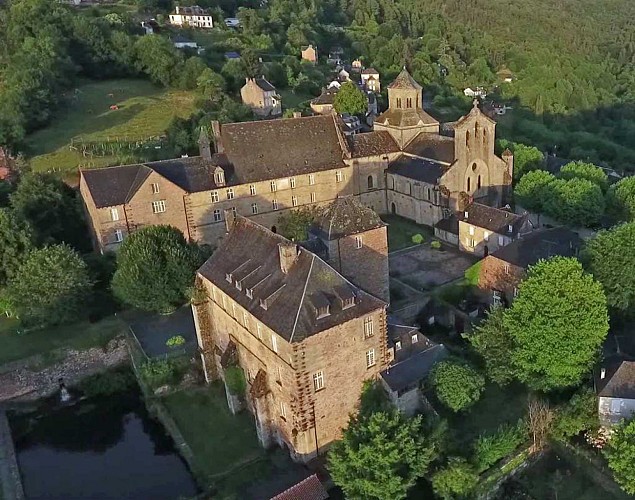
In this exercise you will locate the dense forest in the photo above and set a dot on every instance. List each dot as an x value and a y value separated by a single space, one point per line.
572 61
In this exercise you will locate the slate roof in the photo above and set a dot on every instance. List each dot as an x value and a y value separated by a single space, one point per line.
112 186
619 381
417 169
404 81
308 489
433 146
373 144
264 84
450 224
493 219
343 217
540 245
272 149
410 117
326 97
413 369
249 254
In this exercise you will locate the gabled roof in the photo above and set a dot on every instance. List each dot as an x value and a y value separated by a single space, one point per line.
619 381
410 117
264 84
286 302
343 217
527 251
308 489
413 369
326 97
373 144
432 146
270 149
475 111
112 186
370 71
417 169
404 81
493 219
449 224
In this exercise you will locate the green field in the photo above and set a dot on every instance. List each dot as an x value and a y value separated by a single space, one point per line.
401 231
45 342
145 111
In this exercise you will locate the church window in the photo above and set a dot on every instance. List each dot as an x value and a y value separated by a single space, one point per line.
410 189
478 182
468 184
428 192
477 129
484 137
474 167
399 102
467 139
371 182
409 102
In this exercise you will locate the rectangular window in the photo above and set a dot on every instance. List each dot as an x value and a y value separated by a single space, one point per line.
258 331
471 230
497 298
318 381
114 214
294 201
311 179
230 194
215 196
155 188
501 241
158 207
415 338
274 188
506 268
283 411
370 358
217 215
313 197
246 320
338 176
398 346
234 212
274 343
279 371
486 236
252 190
274 204
469 242
224 303
118 236
254 208
233 310
368 327
358 242
292 182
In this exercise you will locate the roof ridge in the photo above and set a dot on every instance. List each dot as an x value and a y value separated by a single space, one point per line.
142 168
306 284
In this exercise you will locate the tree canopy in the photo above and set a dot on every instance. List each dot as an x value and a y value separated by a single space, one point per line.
155 269
457 385
526 158
16 241
620 454
350 99
534 189
588 171
456 480
380 456
51 287
621 199
610 257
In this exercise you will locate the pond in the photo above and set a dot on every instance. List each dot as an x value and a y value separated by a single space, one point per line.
101 448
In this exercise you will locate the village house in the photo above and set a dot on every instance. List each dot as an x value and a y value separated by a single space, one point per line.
261 96
309 53
502 271
409 165
370 80
194 16
357 65
615 385
483 229
305 337
181 42
323 104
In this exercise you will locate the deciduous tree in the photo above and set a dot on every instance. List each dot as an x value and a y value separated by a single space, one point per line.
588 171
350 99
457 385
155 269
534 190
16 241
620 453
621 199
380 456
455 480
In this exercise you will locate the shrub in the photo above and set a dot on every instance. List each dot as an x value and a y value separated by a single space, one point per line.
457 479
110 382
436 245
490 449
457 385
235 380
577 415
175 341
417 239
163 372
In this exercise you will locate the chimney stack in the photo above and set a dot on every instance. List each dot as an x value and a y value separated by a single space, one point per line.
602 373
177 9
465 214
288 253
217 137
204 146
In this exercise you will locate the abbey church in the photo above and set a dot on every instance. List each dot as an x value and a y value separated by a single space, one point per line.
410 165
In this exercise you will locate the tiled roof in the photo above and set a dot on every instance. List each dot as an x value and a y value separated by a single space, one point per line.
343 217
493 219
410 117
373 144
287 301
117 185
370 71
308 489
413 369
272 149
433 146
326 97
619 381
417 169
540 245
404 81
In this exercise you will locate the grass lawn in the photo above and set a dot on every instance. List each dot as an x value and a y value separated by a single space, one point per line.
219 440
401 231
291 100
145 111
78 336
472 274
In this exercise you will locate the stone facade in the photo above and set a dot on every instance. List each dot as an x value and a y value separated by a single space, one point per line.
309 54
500 279
261 97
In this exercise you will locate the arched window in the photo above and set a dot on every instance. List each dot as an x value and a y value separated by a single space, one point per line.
371 182
467 139
399 102
410 189
468 185
409 102
478 182
429 194
485 137
477 128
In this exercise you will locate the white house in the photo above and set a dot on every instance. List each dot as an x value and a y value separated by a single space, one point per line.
616 392
478 92
370 80
193 16
180 42
232 22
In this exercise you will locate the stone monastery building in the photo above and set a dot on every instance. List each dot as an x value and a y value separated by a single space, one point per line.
410 165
